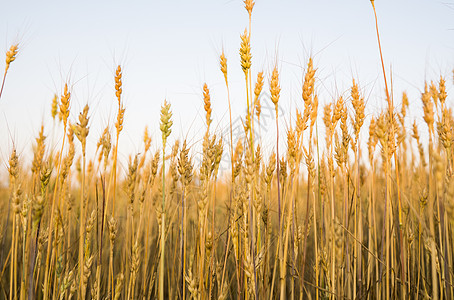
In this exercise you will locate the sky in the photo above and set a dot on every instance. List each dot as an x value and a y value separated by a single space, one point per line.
169 49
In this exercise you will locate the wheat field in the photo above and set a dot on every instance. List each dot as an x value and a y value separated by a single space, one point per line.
340 206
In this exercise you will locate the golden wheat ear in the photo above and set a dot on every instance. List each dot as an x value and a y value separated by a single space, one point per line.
10 57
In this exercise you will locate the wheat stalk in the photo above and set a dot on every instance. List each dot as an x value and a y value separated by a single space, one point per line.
165 126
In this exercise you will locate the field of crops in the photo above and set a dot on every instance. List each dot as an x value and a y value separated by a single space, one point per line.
340 205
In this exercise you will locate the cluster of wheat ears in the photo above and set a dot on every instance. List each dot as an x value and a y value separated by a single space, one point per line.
331 221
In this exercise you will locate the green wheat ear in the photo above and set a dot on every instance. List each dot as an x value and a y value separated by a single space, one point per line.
166 122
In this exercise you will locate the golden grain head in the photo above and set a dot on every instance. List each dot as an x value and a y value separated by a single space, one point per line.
146 139
38 153
238 153
54 109
314 110
309 82
433 92
338 109
185 165
245 52
175 148
444 128
291 145
106 144
219 149
64 104
404 104
81 129
118 83
442 90
223 64
258 84
359 107
300 124
283 170
13 168
11 55
257 92
327 116
275 88
207 104
237 157
372 135
428 107
249 5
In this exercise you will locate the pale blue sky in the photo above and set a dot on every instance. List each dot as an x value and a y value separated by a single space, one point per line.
168 49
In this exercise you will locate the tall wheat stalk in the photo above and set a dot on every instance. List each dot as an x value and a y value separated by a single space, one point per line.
113 174
359 106
15 202
64 111
81 131
308 98
396 164
223 65
185 170
165 126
